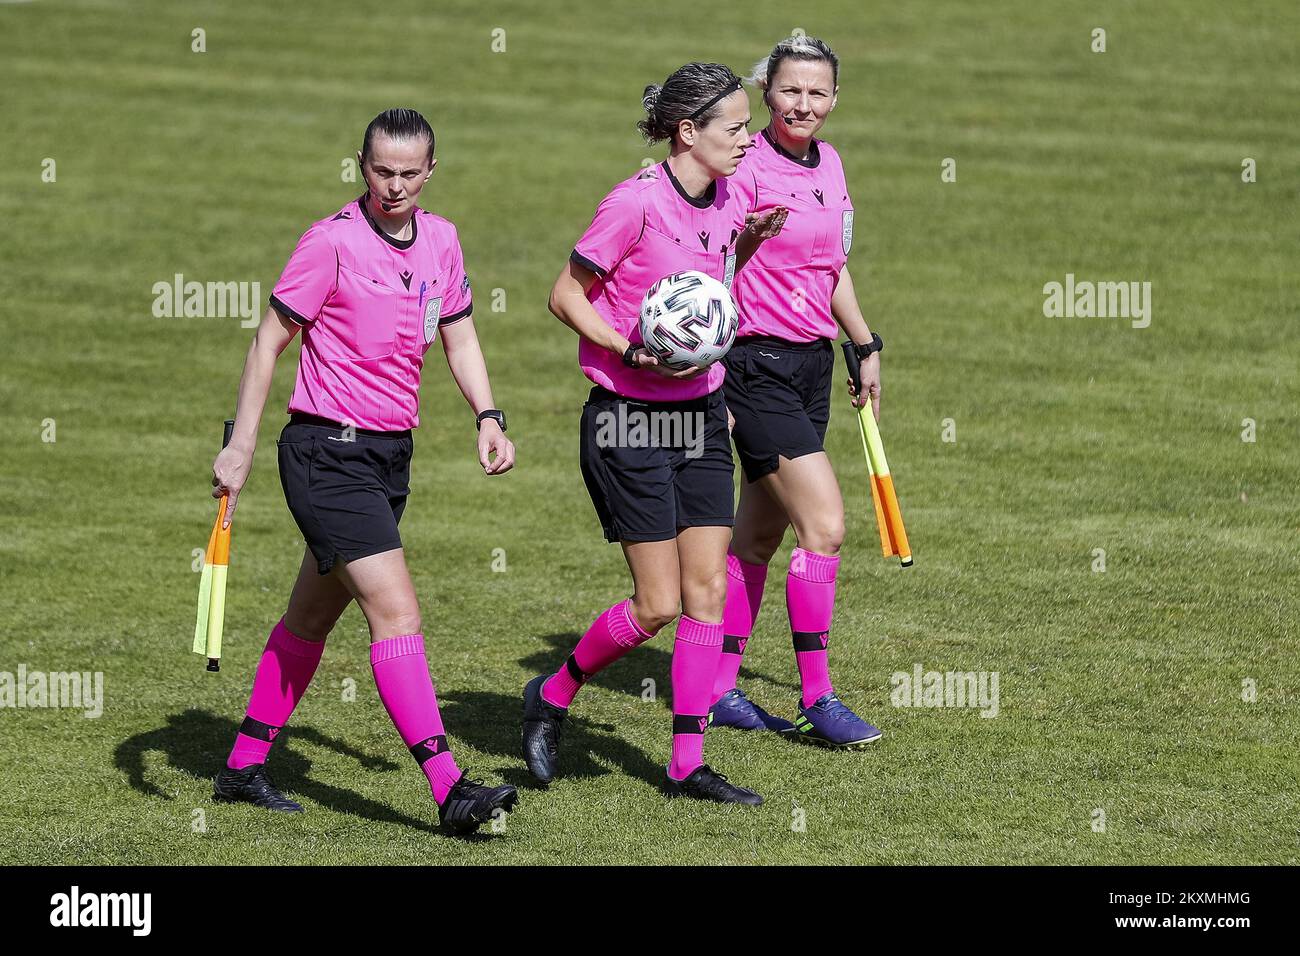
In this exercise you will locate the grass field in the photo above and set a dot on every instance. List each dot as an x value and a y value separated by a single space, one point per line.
1120 690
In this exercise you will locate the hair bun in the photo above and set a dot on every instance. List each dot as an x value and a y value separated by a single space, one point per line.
650 98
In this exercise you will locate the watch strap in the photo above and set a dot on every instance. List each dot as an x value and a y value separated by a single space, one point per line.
495 414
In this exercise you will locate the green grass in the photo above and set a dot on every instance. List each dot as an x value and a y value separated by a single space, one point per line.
1119 690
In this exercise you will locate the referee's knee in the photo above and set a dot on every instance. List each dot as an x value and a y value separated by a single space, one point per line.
313 628
824 537
654 613
395 624
712 595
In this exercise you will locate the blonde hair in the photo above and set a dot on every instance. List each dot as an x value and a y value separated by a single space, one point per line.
795 47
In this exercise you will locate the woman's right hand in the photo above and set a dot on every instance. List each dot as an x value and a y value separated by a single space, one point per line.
229 472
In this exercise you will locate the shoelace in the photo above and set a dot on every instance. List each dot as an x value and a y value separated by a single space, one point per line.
835 709
465 781
552 718
262 778
551 736
715 774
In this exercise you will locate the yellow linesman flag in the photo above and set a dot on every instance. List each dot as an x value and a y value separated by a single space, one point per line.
889 517
210 621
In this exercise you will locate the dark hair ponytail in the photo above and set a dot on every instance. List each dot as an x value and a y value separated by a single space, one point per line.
692 92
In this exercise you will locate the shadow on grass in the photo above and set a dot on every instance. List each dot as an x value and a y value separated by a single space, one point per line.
652 659
587 747
197 741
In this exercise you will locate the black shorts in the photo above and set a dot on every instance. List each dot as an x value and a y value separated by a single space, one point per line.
780 395
346 496
653 468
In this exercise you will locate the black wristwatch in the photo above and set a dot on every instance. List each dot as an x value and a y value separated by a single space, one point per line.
629 356
495 414
863 351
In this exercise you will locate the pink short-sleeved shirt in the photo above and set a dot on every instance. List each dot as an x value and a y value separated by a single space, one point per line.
645 229
785 289
369 306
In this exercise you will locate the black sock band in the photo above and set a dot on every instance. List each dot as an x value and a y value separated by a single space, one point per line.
690 724
258 730
429 747
811 640
734 644
571 665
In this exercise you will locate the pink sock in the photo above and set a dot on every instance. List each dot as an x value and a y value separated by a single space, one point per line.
695 661
810 599
283 673
744 594
402 676
610 636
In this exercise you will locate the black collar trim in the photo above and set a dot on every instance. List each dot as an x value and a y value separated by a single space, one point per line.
814 154
701 202
395 243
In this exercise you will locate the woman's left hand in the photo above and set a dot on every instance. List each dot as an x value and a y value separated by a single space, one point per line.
492 441
766 225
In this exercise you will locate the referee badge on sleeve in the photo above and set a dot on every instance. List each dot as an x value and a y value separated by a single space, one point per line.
432 312
729 271
847 234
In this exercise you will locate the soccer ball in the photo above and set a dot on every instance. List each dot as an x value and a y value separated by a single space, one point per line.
688 319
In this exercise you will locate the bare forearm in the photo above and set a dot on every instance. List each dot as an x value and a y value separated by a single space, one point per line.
571 307
746 246
468 367
254 387
231 468
847 312
273 334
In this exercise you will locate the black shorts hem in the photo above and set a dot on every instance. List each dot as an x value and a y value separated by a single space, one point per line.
767 466
614 536
641 537
759 469
709 521
324 567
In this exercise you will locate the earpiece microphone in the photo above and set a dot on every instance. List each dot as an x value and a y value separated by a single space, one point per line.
768 103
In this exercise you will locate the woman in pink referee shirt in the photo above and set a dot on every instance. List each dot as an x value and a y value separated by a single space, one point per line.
794 298
371 287
669 504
